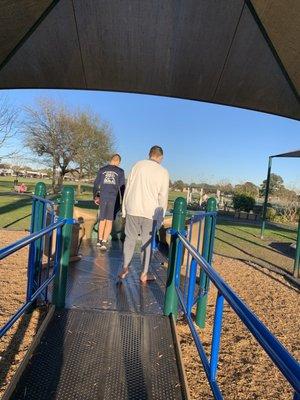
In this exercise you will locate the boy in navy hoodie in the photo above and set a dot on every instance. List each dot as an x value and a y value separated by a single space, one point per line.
108 185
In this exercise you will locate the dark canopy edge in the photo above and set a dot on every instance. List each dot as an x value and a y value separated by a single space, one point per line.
272 48
290 154
154 94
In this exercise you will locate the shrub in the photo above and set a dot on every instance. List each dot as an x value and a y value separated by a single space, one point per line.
242 202
194 207
271 213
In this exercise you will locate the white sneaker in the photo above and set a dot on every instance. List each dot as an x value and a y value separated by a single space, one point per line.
99 243
103 245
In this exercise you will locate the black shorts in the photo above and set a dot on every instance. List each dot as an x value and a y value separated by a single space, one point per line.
107 208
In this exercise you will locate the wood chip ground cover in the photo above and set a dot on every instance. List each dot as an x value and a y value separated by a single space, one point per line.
13 279
245 372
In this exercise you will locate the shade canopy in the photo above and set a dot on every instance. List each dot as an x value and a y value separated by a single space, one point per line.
233 52
294 153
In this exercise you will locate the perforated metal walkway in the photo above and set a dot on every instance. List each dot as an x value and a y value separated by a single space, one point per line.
111 343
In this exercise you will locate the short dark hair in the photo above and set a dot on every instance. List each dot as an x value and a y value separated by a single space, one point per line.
116 156
156 151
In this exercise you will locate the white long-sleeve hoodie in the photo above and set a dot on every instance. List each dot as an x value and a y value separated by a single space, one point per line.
147 189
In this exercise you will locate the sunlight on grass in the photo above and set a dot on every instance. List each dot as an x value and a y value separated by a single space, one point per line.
15 210
243 241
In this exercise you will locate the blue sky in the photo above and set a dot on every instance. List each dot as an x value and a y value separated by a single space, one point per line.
202 142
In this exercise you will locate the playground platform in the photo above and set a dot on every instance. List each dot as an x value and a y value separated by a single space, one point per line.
111 341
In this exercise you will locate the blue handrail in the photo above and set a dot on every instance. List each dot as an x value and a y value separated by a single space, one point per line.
19 244
42 214
30 240
284 361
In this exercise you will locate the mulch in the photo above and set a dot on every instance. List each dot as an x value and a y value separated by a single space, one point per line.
13 280
245 371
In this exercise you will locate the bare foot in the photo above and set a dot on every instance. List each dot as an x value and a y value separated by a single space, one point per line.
144 278
123 273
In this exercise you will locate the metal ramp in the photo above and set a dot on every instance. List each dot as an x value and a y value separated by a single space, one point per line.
111 343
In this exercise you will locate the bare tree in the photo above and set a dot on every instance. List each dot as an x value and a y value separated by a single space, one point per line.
48 134
65 140
8 121
288 210
289 205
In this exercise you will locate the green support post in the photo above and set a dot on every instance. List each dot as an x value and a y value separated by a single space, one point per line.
178 224
60 282
297 255
265 205
206 254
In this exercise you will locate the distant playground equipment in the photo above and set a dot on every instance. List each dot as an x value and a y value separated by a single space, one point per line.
291 154
22 188
197 199
191 248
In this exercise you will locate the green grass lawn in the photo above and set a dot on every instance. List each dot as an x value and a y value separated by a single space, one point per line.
173 196
233 239
238 240
15 210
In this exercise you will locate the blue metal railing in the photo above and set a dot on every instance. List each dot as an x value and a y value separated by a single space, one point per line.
29 240
199 219
44 263
43 224
43 215
283 360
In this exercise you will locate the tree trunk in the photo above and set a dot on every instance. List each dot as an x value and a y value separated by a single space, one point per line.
60 181
53 184
79 180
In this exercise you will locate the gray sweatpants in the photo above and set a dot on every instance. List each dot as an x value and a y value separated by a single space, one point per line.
133 227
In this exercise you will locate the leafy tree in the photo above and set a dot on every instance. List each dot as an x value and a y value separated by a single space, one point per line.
209 188
271 213
242 202
287 194
179 185
95 144
276 184
247 188
225 187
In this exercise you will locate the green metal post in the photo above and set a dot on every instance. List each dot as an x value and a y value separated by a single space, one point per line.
178 224
40 189
60 282
265 206
206 254
297 255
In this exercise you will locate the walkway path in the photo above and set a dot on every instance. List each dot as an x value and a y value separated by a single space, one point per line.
112 341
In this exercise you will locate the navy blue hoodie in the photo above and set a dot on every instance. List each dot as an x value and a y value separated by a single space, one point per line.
110 181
